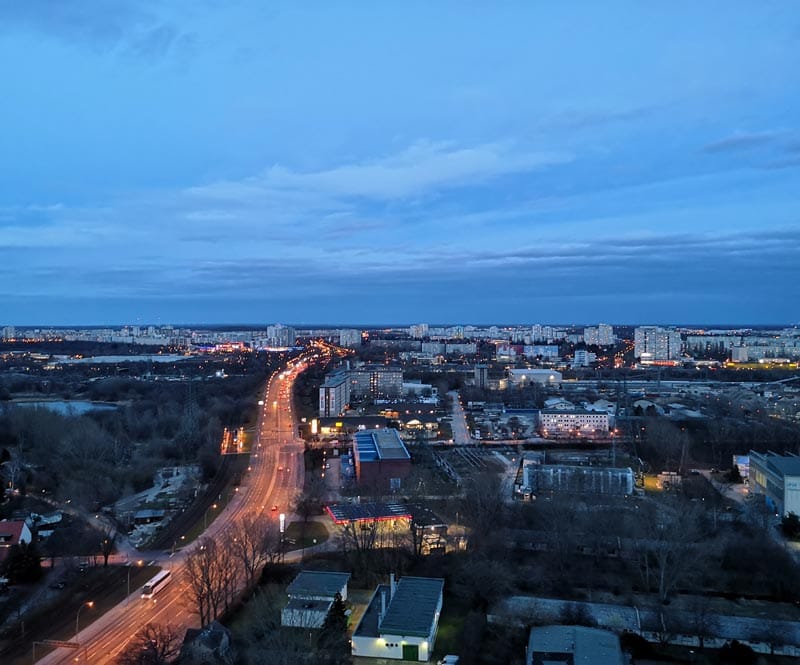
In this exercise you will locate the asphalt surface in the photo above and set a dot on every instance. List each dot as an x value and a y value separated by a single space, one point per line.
275 474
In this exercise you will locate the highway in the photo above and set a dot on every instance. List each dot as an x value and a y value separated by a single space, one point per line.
275 474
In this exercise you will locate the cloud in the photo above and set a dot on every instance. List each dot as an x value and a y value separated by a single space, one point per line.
136 29
421 168
741 141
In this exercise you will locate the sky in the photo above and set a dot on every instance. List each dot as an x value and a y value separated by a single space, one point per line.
228 161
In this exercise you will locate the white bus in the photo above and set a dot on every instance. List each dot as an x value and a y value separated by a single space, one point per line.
157 583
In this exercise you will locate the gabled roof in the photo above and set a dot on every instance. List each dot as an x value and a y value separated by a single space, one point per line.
412 609
11 531
317 583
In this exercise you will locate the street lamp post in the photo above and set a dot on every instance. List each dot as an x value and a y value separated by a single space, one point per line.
205 515
88 603
130 565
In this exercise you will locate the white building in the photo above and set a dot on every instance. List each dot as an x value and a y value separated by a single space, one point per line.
739 354
281 336
777 478
8 332
526 377
350 338
654 343
602 335
401 620
418 331
311 596
559 422
583 358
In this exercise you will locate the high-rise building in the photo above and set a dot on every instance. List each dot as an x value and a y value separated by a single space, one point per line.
602 335
654 343
350 338
280 335
376 381
334 394
9 332
481 376
418 331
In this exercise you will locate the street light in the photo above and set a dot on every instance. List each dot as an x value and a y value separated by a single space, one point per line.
205 515
130 565
88 603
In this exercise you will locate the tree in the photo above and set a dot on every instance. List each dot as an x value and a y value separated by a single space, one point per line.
254 542
482 508
790 525
212 572
154 644
333 643
701 623
23 564
107 540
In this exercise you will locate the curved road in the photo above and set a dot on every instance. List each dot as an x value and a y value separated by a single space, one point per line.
276 473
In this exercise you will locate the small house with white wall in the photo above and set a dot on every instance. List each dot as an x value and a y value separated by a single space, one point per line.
401 620
13 532
311 596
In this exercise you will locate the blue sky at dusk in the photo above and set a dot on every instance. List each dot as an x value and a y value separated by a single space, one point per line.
217 161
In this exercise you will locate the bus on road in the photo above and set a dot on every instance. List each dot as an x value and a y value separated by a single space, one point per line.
155 584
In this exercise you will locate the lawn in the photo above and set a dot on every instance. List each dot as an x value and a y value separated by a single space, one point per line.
451 623
299 535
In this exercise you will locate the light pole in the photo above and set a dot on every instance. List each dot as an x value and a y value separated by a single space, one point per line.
130 565
88 603
205 515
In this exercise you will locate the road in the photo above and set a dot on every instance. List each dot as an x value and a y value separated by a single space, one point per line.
276 472
461 434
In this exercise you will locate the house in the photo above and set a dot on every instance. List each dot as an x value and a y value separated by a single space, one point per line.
552 645
401 620
207 646
13 532
311 596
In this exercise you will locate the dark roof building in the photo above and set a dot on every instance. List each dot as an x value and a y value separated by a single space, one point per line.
551 645
401 620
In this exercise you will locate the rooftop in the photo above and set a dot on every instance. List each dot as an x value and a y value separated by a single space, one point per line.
411 611
786 465
380 444
354 512
317 583
589 646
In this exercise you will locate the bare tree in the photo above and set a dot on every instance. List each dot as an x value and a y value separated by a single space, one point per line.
254 542
212 573
107 539
482 508
666 545
154 644
701 622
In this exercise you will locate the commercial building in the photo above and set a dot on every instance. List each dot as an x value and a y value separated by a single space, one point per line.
777 478
652 343
401 620
381 459
334 394
311 596
550 645
527 377
575 422
538 478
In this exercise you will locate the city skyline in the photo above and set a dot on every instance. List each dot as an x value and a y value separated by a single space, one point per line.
399 163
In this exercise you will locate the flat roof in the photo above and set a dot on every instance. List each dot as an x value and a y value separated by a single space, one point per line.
356 512
786 465
317 583
588 645
412 609
380 444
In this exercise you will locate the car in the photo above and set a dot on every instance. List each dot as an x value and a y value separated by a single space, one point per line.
58 585
280 468
275 509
